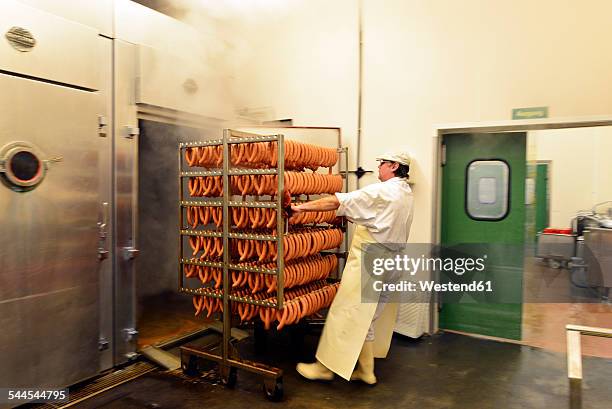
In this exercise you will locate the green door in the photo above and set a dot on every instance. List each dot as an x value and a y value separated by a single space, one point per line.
541 192
483 196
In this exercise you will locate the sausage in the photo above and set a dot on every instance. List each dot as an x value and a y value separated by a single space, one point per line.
194 242
215 216
271 219
288 153
241 311
248 312
190 156
289 275
262 251
243 278
205 277
208 305
235 215
257 183
197 304
218 278
219 306
290 313
246 185
268 318
187 270
255 287
283 317
273 282
243 217
193 186
250 249
296 312
304 273
235 278
204 214
240 155
303 306
250 153
204 156
262 316
219 246
311 303
233 151
189 218
213 156
247 249
258 153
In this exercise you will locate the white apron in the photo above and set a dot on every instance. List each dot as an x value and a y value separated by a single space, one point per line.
348 318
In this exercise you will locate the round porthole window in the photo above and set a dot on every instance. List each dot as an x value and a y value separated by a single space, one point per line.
23 168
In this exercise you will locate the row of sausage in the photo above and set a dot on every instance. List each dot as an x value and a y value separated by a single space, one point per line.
296 273
296 183
295 245
299 307
298 155
299 303
252 217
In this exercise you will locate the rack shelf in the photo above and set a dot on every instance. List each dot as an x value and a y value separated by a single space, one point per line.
223 291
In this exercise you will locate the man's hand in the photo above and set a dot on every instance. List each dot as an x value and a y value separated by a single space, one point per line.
319 205
296 209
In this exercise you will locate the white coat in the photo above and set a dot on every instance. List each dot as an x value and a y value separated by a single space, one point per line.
349 318
383 214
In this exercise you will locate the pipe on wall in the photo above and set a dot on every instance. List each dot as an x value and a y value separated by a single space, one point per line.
359 88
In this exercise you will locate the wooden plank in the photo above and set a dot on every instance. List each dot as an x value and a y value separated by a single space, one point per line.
162 358
574 356
592 331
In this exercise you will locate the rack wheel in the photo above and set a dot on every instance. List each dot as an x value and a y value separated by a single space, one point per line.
273 389
229 377
190 368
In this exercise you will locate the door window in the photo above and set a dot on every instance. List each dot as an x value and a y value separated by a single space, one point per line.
487 195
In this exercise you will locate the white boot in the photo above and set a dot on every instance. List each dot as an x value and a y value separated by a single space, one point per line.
365 365
315 371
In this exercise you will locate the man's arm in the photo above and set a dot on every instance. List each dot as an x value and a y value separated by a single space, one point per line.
319 205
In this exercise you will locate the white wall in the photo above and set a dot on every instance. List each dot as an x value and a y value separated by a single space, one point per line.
580 171
428 63
300 62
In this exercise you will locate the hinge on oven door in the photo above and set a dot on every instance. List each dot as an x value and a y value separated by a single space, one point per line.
102 252
102 344
131 132
102 125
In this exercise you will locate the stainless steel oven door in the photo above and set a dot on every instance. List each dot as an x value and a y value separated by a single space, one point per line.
49 237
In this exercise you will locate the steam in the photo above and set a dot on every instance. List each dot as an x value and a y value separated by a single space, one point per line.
229 35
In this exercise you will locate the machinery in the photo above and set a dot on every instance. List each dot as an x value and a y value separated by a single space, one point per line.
91 97
585 248
596 251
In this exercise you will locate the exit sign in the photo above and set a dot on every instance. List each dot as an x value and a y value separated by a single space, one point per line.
530 113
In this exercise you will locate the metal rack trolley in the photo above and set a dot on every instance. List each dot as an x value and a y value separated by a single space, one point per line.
228 360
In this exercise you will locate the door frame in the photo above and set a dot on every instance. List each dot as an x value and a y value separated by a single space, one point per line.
549 165
443 130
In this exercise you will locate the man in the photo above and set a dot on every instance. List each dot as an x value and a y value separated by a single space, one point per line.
383 214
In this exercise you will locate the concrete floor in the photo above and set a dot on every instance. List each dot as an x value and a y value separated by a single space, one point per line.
443 371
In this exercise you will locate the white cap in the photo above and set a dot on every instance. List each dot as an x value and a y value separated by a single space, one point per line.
403 158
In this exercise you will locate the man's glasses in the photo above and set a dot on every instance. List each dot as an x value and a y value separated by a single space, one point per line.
383 161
